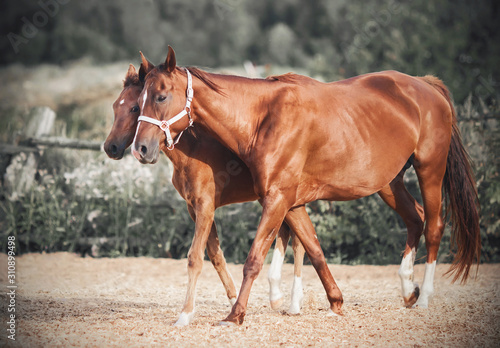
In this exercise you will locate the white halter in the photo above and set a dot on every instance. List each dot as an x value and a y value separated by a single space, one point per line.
165 125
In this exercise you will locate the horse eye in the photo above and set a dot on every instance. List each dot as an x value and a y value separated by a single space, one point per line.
161 98
135 109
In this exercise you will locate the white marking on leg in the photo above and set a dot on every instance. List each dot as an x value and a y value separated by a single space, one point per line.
184 319
297 296
427 286
232 300
406 274
274 276
226 323
122 101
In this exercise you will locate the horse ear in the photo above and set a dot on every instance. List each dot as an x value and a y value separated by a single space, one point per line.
131 77
146 67
170 62
131 71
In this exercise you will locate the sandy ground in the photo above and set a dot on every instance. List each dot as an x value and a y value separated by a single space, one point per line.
63 300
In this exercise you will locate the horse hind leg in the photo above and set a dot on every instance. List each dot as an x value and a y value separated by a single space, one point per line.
274 274
430 172
216 256
402 202
303 229
297 288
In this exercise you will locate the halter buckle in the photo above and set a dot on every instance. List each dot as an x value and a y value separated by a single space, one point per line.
164 125
188 111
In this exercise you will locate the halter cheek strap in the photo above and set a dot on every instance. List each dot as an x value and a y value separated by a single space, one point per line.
165 125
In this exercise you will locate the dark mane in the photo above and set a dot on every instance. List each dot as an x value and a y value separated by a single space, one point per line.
131 80
290 78
205 78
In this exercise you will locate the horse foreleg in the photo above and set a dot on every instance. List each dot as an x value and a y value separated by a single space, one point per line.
273 214
195 263
298 262
274 274
219 262
402 202
301 225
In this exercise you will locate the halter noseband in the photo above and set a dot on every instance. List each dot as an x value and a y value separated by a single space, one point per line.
165 125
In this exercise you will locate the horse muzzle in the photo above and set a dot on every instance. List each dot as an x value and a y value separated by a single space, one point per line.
145 153
114 150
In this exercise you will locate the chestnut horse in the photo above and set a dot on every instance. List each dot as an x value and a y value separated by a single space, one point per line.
207 176
305 140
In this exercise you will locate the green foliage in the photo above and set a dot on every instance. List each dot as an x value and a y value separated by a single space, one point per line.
98 208
236 227
457 40
479 128
363 231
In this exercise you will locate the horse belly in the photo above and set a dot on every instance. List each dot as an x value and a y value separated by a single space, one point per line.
361 166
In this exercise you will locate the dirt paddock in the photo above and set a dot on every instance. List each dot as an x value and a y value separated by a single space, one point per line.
63 300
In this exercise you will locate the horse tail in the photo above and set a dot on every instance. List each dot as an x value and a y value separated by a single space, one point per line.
461 198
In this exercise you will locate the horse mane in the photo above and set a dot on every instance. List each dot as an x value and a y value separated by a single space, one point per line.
205 78
131 80
290 78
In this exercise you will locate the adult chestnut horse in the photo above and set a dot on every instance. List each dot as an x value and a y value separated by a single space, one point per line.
305 140
207 176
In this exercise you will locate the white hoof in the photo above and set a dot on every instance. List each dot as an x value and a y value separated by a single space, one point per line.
295 307
333 314
421 303
184 319
226 323
277 302
297 296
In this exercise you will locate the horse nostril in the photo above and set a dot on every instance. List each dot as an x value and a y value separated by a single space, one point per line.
144 150
114 149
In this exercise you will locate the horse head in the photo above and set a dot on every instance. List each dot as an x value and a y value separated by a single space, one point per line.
165 109
126 111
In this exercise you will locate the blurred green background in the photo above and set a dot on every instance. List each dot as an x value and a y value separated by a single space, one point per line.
72 57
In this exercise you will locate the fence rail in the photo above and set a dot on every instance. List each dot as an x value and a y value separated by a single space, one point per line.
36 144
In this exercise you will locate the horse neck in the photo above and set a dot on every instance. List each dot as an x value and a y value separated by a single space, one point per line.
226 116
180 153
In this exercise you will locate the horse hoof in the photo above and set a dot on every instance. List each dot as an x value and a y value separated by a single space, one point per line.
412 299
421 303
294 309
333 314
184 319
276 304
226 323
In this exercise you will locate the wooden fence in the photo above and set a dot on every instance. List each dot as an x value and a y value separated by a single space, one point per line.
19 160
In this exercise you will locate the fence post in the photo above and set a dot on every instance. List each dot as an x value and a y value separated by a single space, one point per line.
20 174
